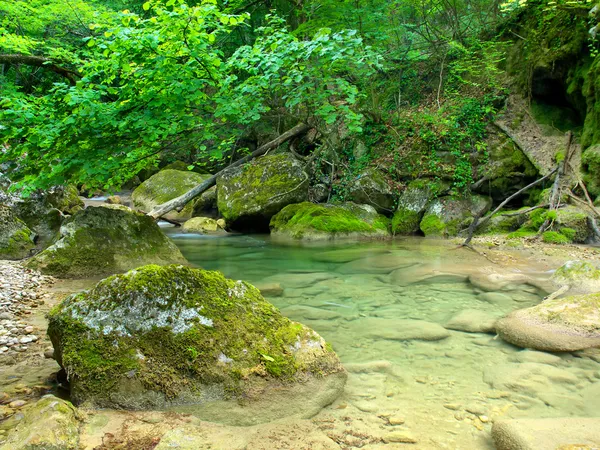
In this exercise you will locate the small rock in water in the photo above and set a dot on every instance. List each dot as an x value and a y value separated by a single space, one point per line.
403 437
396 420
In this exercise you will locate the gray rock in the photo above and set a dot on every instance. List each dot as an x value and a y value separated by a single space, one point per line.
581 277
371 188
412 205
447 216
473 321
16 239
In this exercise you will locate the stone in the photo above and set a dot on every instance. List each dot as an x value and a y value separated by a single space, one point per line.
164 186
310 222
49 424
105 240
401 329
580 276
202 225
447 216
114 200
371 188
16 239
270 289
557 433
559 325
412 205
17 404
497 299
249 195
159 337
575 219
531 379
404 437
472 321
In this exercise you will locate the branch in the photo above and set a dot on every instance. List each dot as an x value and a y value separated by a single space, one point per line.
40 61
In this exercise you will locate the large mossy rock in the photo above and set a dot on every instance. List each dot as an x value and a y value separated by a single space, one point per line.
16 239
314 222
559 325
503 222
447 216
412 205
580 276
105 240
371 188
167 185
162 336
248 196
49 424
573 218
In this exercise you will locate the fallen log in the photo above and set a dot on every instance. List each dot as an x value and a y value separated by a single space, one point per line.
184 199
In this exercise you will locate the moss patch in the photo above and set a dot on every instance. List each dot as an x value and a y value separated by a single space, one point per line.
16 239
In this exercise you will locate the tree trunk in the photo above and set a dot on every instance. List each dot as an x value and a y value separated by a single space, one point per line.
184 199
39 61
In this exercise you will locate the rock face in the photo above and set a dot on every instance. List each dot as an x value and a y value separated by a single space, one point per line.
447 216
308 221
580 276
164 186
105 240
163 336
248 196
204 225
559 325
568 433
16 240
49 424
371 188
412 205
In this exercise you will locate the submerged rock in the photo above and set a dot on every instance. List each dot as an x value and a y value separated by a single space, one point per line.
49 424
16 239
105 240
167 185
248 196
447 216
559 325
163 336
371 188
564 433
308 221
412 205
401 329
580 276
472 321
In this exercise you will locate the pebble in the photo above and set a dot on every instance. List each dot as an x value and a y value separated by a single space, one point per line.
403 437
49 353
17 404
396 420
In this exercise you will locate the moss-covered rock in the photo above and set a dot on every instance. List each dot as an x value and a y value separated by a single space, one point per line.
167 185
105 240
309 221
16 239
573 218
371 188
412 205
590 161
502 223
248 196
580 276
559 325
49 424
204 225
163 336
447 216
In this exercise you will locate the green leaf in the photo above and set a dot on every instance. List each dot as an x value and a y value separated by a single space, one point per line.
146 6
267 357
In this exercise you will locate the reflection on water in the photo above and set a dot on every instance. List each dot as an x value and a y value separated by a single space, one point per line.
414 333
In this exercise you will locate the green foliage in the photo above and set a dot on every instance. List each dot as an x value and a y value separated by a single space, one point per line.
554 237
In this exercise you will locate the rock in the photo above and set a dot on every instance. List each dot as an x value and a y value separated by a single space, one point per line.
249 195
17 404
502 223
401 329
105 240
530 379
16 239
164 186
536 357
309 313
319 193
472 321
157 337
114 200
49 353
497 299
557 433
575 220
447 216
559 325
412 205
270 289
580 276
371 188
203 225
404 437
311 222
298 280
49 424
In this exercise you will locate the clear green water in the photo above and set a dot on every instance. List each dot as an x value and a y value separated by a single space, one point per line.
383 307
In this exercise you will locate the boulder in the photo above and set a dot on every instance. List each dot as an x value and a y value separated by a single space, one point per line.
167 185
203 225
401 329
104 240
249 195
50 424
580 276
159 337
447 216
16 239
412 205
575 221
312 222
559 325
114 200
371 188
472 321
502 223
563 433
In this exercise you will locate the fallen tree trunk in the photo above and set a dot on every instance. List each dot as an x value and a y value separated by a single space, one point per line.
40 61
184 199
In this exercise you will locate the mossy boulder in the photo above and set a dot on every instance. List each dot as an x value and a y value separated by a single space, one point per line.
167 185
314 222
575 219
580 276
502 223
447 216
203 225
157 337
412 205
559 325
249 195
105 240
371 188
16 239
49 424
590 161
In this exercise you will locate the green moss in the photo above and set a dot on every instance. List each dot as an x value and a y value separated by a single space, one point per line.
405 221
432 225
569 233
15 238
521 233
554 237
